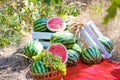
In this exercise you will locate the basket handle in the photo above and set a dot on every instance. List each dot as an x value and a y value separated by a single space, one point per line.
51 69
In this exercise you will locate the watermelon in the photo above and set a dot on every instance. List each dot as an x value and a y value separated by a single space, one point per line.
107 43
32 48
64 37
77 48
38 67
59 50
91 55
73 57
40 25
56 24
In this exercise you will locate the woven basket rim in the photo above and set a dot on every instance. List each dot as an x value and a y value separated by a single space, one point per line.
37 76
44 73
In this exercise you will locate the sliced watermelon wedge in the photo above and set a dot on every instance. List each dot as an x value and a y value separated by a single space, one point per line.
56 24
59 50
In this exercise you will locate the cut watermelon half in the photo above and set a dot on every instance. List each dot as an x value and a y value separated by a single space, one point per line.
59 50
56 24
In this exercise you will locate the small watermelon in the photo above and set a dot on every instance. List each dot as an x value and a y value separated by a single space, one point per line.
107 43
56 24
59 50
77 48
91 55
32 48
73 57
40 25
38 67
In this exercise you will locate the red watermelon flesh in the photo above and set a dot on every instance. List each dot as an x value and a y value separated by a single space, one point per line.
56 24
59 50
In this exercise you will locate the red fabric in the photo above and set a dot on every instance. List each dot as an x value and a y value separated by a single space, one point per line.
106 70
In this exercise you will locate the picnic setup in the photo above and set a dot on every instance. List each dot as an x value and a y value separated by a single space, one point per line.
59 40
60 54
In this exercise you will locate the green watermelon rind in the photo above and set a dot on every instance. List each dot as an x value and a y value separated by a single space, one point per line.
38 67
73 57
32 48
40 25
64 37
40 20
91 55
107 43
77 48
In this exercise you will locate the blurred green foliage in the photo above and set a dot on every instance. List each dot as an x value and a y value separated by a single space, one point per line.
17 16
112 11
96 9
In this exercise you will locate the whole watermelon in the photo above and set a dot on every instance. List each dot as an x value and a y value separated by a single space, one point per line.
91 55
40 25
64 37
73 57
77 48
107 43
32 48
38 67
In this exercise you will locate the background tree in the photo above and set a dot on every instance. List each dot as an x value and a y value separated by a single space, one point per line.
112 11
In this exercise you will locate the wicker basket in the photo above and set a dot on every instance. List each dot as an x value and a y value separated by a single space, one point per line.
52 75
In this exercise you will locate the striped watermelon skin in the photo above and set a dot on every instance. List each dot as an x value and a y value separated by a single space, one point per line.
107 43
73 57
32 48
91 55
38 67
40 25
77 48
64 37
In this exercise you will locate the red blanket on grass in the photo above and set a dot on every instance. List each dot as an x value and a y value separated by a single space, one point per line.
106 70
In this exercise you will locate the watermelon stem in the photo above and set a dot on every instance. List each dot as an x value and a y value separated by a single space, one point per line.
18 54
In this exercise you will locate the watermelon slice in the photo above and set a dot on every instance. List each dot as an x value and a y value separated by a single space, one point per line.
56 24
59 50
